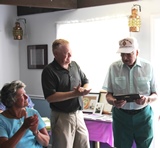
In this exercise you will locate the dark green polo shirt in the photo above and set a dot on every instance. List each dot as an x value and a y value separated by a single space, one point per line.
57 79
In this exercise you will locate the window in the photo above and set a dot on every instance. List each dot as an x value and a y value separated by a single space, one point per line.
94 44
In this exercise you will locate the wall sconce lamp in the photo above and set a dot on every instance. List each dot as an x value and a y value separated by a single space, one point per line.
17 30
134 22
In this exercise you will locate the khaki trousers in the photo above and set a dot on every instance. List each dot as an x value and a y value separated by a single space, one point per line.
69 130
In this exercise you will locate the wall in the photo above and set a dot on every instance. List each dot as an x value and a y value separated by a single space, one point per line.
9 48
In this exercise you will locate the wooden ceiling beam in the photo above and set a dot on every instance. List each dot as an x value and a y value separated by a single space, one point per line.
91 3
26 7
61 4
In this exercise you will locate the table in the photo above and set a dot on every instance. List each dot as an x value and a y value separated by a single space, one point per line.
100 131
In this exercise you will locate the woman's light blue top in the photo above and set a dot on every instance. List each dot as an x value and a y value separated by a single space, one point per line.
8 127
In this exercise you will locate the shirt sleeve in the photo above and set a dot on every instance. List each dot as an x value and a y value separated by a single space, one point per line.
30 103
2 107
107 85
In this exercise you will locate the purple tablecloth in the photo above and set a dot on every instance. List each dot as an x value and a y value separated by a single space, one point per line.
100 131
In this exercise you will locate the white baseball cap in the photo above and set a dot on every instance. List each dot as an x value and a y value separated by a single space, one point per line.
127 45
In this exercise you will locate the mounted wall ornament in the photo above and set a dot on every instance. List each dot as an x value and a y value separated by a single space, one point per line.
134 22
18 32
37 56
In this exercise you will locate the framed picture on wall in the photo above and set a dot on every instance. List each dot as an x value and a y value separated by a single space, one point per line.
89 102
107 109
37 56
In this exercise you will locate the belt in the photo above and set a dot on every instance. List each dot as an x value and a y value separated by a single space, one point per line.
132 112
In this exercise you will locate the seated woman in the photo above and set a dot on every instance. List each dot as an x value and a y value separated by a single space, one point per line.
20 126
